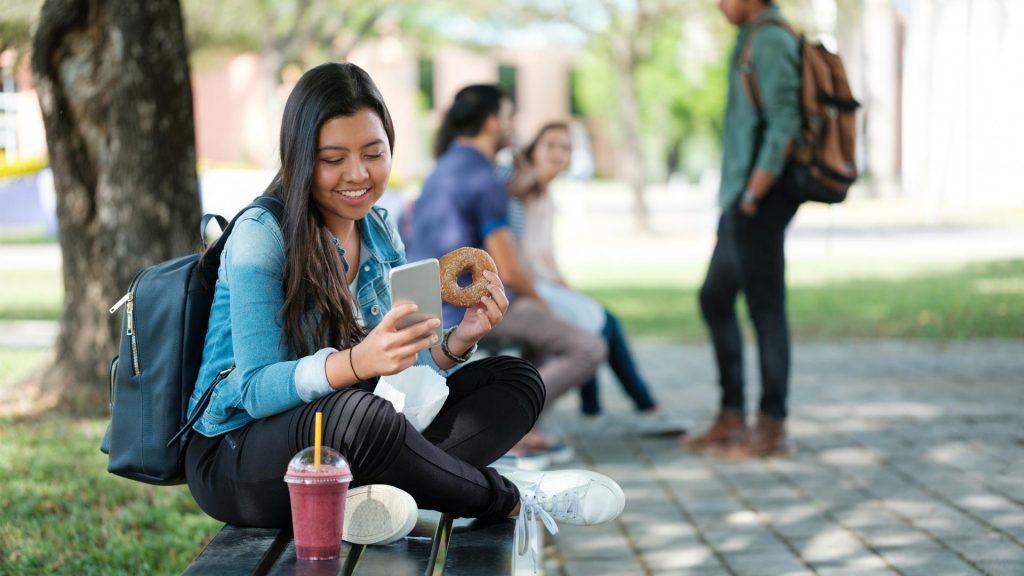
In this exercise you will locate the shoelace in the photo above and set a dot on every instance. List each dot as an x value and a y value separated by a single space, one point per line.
534 504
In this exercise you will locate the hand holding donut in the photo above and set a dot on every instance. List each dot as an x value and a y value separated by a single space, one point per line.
484 299
482 317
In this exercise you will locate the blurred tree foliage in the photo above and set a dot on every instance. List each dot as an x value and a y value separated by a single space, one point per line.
674 52
16 20
681 80
680 91
299 33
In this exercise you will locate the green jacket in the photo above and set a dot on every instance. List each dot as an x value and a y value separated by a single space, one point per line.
776 59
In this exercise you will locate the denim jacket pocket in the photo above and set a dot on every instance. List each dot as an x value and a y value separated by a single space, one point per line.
224 400
371 302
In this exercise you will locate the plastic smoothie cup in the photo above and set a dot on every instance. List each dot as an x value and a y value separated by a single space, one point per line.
317 496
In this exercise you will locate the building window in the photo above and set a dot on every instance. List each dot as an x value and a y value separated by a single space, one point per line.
507 79
427 82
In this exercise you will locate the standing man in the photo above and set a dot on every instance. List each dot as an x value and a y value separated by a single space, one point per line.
749 255
463 203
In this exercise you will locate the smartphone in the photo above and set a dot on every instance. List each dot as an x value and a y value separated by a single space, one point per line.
418 282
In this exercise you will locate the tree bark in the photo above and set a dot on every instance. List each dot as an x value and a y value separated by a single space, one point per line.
629 128
114 86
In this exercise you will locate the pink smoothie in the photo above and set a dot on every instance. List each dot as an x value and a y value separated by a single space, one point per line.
318 510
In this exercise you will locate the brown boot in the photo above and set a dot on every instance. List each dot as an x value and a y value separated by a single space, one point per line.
728 430
767 438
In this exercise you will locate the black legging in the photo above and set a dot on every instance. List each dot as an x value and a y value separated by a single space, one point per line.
237 477
750 257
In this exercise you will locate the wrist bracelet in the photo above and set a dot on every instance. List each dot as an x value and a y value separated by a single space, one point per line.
352 364
749 196
448 353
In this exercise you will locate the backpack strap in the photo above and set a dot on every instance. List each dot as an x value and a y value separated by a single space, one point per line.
204 400
212 253
205 222
276 209
748 76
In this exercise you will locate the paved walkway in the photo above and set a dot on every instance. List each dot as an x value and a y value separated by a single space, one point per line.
910 461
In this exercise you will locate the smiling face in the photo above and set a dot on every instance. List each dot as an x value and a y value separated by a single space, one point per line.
353 162
552 153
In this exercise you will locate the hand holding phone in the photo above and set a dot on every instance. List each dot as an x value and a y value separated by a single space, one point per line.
418 282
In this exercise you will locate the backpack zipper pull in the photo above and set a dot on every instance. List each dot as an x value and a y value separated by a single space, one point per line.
130 311
120 302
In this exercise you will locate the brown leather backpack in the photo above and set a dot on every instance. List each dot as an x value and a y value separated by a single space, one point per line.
822 165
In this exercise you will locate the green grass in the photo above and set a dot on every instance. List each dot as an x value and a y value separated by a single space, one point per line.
827 299
62 513
17 364
31 295
830 300
19 236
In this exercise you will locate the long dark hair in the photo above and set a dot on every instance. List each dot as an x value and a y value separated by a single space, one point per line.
318 308
470 109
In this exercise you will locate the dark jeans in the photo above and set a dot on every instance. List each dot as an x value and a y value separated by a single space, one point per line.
620 359
749 257
237 477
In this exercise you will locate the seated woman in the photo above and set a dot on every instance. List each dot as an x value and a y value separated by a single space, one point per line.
302 320
531 211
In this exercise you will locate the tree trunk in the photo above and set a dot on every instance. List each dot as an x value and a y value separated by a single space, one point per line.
114 85
629 129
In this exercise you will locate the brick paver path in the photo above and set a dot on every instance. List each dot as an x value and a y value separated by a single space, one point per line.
910 461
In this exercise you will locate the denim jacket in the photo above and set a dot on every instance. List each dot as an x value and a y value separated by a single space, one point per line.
246 332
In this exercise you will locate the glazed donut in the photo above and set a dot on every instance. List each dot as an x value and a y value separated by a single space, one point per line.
453 264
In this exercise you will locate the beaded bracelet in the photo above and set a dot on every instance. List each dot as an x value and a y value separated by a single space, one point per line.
448 353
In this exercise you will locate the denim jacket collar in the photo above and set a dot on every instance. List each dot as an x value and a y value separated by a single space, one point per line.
375 238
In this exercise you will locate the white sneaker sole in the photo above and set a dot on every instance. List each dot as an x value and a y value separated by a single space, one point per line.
378 514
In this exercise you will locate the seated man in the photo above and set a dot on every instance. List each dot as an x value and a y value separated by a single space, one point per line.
463 203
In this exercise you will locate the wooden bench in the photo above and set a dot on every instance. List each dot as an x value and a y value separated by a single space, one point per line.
437 546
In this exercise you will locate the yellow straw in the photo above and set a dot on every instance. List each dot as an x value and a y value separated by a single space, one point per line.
316 442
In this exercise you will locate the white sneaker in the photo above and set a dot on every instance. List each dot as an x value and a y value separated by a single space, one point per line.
578 497
378 514
533 461
560 453
542 459
658 424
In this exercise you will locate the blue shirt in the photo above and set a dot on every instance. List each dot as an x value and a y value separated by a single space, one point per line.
461 204
245 330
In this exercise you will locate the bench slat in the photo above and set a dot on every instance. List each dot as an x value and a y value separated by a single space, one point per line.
237 550
477 549
472 550
410 556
